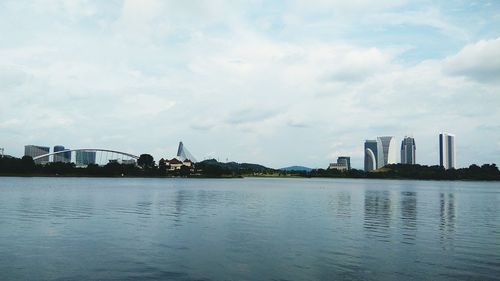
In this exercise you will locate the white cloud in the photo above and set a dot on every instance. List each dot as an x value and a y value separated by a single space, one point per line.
157 72
479 61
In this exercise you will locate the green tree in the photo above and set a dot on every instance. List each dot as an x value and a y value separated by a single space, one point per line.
146 161
162 167
27 164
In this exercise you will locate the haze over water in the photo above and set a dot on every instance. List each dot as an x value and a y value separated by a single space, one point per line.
248 229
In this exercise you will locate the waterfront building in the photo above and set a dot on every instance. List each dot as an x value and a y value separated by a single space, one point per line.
128 161
35 150
343 163
389 155
346 160
175 164
408 150
338 166
380 152
447 150
123 161
62 157
85 158
373 150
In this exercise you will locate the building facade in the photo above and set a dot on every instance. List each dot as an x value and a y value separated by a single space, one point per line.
338 166
62 157
372 149
380 152
346 160
389 155
408 151
85 158
447 150
35 150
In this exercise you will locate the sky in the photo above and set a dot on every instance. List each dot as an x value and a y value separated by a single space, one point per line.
278 83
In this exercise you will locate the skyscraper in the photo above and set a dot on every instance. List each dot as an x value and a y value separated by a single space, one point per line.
388 151
447 150
35 150
372 149
408 149
379 153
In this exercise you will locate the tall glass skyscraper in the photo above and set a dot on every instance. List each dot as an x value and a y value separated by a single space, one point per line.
447 150
408 150
372 151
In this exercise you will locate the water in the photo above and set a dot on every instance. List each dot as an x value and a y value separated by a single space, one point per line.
248 229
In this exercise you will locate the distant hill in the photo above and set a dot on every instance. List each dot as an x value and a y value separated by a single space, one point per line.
296 168
233 166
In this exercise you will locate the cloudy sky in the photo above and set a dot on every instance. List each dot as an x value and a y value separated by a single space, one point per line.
272 82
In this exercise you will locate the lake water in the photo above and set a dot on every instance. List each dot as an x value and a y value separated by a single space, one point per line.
248 229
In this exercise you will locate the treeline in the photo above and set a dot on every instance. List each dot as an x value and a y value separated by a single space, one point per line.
146 167
420 172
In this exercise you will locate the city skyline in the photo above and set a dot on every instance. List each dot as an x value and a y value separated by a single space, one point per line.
279 84
378 153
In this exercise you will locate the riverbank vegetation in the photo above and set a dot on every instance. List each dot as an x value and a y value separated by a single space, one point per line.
146 167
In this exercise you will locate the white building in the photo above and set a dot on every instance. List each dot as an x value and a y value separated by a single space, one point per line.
389 154
380 152
338 166
447 150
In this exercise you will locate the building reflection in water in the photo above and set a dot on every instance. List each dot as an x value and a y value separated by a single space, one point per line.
409 214
447 215
343 206
377 213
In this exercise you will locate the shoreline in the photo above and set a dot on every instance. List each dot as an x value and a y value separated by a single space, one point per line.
236 177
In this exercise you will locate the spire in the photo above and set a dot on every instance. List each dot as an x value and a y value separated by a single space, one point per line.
184 154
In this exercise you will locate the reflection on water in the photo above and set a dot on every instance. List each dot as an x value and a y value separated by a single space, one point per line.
377 213
269 229
343 204
409 214
447 216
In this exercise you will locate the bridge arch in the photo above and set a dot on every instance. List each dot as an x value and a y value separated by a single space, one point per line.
86 150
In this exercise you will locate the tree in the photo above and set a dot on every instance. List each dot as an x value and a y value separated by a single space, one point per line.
162 167
146 161
27 163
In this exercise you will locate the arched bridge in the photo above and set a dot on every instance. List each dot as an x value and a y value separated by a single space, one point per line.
86 156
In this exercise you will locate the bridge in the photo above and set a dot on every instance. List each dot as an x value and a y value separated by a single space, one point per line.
85 156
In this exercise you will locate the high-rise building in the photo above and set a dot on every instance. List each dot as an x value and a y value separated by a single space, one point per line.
343 163
379 153
447 150
372 154
408 150
35 150
84 158
62 157
389 155
345 160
